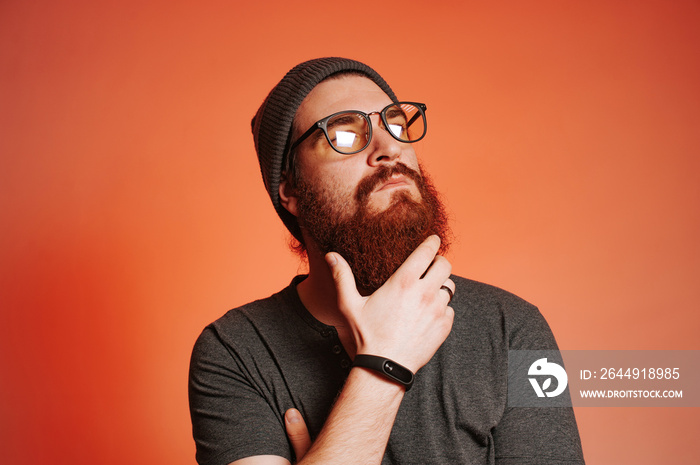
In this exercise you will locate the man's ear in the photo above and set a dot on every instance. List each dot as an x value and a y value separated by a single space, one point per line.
288 195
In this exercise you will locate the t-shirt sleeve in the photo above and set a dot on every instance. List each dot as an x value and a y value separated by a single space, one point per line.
231 419
535 435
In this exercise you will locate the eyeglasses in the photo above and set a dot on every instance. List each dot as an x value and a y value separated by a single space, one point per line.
350 131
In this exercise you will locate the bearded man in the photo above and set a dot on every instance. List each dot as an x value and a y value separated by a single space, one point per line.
379 354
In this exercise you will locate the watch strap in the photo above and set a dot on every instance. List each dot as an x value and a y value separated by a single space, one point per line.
386 367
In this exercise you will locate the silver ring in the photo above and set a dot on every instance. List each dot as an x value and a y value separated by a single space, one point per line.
449 291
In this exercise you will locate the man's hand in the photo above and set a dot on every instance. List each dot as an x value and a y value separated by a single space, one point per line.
297 432
408 318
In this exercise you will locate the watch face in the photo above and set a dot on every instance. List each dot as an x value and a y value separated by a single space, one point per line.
397 371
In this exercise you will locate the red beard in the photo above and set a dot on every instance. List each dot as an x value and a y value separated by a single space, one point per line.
373 244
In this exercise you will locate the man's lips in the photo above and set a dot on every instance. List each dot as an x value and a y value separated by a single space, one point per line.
397 180
387 177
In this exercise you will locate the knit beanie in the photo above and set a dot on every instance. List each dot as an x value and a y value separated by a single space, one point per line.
272 124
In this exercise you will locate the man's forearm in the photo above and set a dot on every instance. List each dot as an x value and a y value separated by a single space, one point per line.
358 427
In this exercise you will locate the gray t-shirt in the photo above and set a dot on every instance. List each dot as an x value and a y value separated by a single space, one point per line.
259 360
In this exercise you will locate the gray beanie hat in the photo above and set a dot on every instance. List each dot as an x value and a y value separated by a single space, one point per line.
272 124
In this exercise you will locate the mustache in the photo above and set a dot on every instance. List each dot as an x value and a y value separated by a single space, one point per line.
367 185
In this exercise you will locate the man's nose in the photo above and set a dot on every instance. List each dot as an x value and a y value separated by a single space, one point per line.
383 148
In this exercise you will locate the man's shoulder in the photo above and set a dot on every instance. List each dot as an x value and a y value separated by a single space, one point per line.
491 306
476 293
486 306
268 316
264 308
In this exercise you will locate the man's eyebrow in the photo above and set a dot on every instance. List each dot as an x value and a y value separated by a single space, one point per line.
344 119
395 112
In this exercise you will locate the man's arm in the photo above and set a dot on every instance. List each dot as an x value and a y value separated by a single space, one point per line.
406 320
360 423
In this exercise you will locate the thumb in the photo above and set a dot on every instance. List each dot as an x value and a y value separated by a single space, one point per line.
343 279
297 433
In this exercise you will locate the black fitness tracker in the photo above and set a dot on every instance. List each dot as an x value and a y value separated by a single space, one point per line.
388 368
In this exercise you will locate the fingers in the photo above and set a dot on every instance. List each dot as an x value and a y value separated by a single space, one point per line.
422 263
297 433
343 278
439 272
420 260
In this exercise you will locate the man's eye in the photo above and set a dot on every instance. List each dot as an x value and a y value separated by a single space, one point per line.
345 138
397 130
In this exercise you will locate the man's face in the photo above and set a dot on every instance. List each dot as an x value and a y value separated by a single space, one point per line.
373 207
329 170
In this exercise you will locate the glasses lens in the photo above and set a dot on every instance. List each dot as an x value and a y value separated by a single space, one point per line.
348 132
406 122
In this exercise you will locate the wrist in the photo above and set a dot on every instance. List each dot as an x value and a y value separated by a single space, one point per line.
388 368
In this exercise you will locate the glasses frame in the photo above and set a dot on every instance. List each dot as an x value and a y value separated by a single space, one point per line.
322 124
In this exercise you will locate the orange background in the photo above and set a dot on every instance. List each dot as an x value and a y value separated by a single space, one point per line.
565 137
